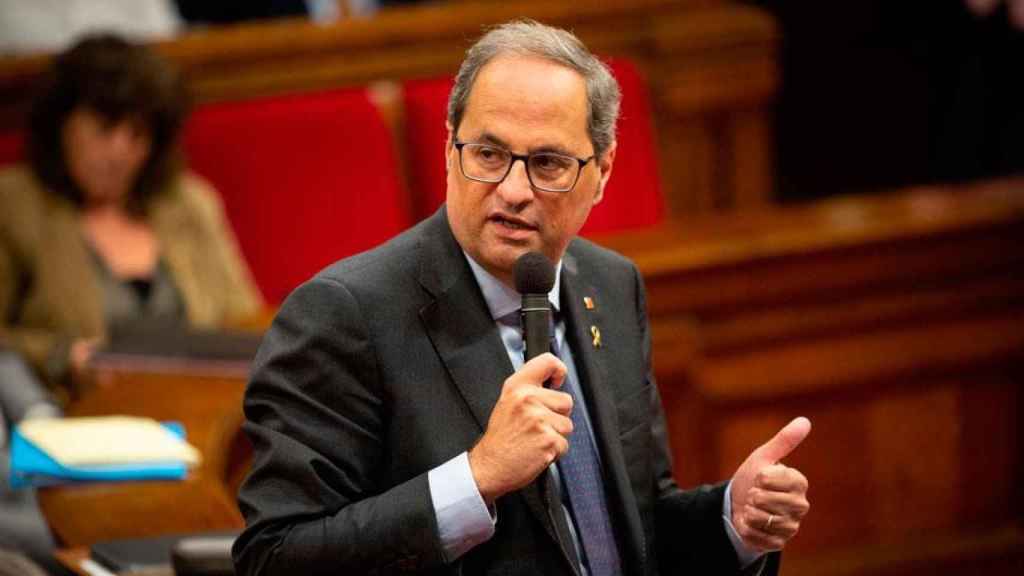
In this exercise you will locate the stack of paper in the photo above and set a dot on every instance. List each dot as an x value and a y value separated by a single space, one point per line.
60 450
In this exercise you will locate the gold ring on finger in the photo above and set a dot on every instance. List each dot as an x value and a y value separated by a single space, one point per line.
768 524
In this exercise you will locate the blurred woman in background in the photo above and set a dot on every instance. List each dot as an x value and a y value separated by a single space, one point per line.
103 226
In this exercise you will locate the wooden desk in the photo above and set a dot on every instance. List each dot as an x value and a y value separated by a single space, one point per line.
72 558
210 408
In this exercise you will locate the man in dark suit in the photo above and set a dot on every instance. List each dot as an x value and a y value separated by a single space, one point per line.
396 427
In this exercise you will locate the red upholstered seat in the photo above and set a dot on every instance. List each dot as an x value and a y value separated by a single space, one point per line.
426 109
305 179
633 198
11 148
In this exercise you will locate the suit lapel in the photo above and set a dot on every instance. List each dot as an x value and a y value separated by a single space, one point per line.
592 359
458 322
466 339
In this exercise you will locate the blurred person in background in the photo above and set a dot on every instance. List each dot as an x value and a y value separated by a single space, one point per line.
54 25
103 227
985 8
22 526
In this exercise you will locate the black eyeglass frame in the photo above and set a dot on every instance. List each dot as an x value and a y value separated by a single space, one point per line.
526 164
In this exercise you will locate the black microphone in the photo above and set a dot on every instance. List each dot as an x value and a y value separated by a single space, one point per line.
534 277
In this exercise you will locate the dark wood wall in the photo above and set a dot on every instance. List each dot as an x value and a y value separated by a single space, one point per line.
896 324
881 94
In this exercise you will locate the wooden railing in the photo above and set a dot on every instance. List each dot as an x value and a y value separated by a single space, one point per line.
210 408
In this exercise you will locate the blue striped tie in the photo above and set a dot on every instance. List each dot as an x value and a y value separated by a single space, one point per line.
583 484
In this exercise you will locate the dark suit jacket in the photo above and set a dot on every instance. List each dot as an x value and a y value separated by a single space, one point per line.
387 364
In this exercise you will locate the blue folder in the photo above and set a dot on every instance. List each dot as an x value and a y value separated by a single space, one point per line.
31 466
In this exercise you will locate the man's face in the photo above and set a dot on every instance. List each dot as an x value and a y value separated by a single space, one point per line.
525 105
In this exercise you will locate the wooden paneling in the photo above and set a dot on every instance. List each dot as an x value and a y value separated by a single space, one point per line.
211 410
895 324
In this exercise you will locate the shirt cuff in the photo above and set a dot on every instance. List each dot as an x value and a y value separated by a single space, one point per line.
463 519
746 554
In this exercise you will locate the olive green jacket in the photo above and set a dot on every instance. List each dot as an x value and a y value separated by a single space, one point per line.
49 292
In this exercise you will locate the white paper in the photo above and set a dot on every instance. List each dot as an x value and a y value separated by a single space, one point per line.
107 440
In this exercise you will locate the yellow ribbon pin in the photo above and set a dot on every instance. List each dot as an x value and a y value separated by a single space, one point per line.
597 336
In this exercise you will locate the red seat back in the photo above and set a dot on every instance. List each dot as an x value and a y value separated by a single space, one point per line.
426 109
11 148
305 179
633 197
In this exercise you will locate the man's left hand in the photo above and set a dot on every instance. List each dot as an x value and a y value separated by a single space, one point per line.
769 499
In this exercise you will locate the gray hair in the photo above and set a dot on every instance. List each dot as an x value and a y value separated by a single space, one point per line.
531 38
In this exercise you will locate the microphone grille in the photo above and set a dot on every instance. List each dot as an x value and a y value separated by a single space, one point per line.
534 274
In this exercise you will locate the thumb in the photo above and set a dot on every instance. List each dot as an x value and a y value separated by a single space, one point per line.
543 368
785 441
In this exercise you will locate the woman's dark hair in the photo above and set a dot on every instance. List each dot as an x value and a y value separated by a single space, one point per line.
118 80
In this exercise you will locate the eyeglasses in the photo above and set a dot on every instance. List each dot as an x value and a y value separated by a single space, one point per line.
546 171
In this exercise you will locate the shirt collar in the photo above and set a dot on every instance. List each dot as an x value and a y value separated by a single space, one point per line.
503 300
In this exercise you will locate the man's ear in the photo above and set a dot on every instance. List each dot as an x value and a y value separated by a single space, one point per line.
604 164
448 146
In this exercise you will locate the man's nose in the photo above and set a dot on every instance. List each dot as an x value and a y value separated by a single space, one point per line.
515 189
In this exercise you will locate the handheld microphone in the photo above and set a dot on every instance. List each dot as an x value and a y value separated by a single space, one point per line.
534 277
